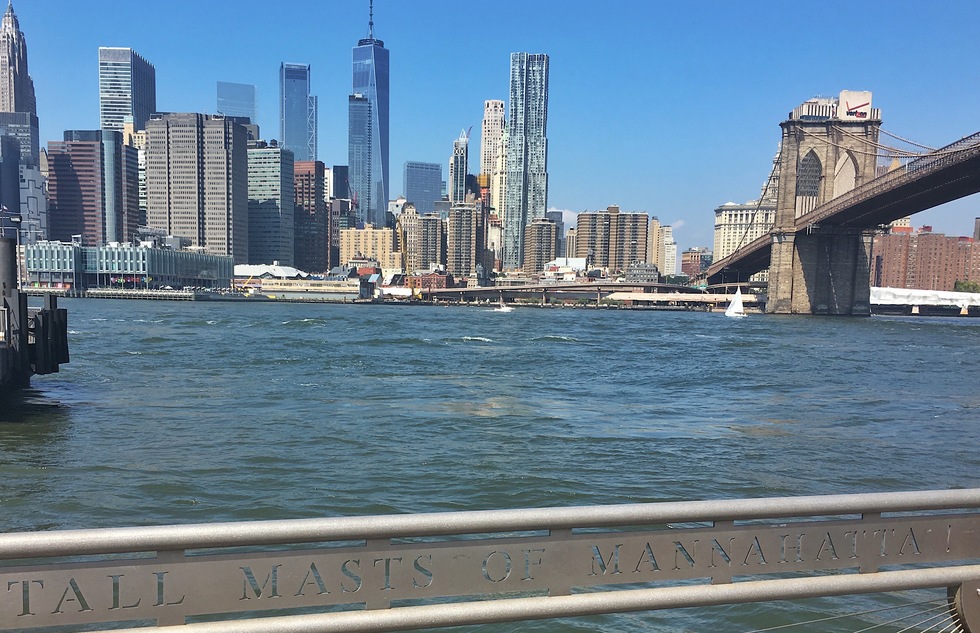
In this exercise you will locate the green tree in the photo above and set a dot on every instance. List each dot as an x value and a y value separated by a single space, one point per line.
967 286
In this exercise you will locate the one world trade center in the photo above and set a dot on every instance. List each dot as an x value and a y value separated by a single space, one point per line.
368 129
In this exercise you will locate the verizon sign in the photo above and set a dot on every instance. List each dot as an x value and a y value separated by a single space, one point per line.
854 106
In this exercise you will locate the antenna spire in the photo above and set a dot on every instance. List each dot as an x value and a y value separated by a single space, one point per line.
370 19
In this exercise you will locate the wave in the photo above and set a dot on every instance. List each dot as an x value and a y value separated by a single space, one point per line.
557 339
310 322
480 339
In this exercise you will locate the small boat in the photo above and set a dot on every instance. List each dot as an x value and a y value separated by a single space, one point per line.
503 307
735 309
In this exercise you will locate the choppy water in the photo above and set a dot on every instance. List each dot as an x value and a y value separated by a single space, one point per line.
195 412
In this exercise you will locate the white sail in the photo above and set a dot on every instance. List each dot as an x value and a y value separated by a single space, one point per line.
735 308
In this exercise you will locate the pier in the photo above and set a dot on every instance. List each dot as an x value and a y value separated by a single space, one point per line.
32 342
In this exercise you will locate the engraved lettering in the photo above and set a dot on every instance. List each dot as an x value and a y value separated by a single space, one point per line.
717 548
909 540
78 597
755 548
798 548
647 556
507 566
387 562
422 570
116 593
680 549
25 588
320 586
530 560
161 601
854 543
346 570
603 565
827 545
884 534
249 581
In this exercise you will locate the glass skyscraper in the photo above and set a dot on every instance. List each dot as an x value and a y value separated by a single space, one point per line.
237 100
423 185
526 195
370 81
127 87
297 111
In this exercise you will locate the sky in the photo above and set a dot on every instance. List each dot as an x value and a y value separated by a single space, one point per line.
670 108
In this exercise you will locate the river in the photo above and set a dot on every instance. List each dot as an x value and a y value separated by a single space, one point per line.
175 412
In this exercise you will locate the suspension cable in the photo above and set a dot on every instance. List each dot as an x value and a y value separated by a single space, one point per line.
905 140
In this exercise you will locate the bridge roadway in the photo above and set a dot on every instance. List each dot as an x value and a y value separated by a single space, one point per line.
942 176
570 291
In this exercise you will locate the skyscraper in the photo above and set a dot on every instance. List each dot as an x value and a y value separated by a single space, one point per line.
197 181
16 85
490 133
127 87
458 166
297 111
93 187
271 204
526 196
423 185
311 222
18 112
368 147
236 100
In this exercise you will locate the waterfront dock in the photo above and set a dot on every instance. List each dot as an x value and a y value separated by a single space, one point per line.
32 342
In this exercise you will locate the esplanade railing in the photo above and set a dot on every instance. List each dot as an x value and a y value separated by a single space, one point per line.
405 572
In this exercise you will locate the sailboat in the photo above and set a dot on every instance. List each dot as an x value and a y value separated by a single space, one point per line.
735 309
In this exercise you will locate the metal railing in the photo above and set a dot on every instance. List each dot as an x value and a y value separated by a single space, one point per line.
554 559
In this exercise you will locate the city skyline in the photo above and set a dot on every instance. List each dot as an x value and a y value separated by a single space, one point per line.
700 88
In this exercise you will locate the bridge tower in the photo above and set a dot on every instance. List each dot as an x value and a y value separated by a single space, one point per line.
828 148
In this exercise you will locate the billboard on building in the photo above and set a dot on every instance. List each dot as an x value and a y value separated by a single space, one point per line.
854 105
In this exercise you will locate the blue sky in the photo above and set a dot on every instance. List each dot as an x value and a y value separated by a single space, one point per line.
669 108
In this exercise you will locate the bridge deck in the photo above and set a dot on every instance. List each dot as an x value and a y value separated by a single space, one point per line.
947 174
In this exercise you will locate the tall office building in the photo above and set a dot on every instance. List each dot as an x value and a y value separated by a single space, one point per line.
558 218
465 239
127 87
498 179
423 185
9 173
297 111
613 240
668 248
271 204
18 119
653 243
368 141
526 197
16 85
458 165
540 242
490 133
340 182
93 188
360 158
237 100
197 181
311 222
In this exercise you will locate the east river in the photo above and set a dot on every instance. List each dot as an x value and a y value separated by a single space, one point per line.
208 412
